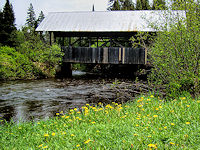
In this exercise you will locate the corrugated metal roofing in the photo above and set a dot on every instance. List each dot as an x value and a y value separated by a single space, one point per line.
105 21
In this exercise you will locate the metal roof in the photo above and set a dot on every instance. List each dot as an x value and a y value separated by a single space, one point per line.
105 21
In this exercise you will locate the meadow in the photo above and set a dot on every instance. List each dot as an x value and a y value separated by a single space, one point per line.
146 122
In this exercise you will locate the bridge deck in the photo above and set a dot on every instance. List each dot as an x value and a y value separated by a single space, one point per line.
110 55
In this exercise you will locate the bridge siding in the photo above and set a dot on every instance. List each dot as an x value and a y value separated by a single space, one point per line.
113 55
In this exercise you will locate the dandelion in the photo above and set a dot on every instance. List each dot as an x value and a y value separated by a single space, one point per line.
172 124
171 143
138 118
78 145
151 96
86 142
93 122
187 123
53 134
140 106
182 98
40 145
137 125
97 131
160 106
46 135
75 109
155 116
148 100
57 114
187 105
45 147
38 123
72 135
152 145
165 127
66 117
157 108
78 112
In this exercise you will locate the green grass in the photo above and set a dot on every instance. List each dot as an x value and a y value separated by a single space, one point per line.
144 123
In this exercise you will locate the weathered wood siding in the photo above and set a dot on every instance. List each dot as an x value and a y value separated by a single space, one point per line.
104 55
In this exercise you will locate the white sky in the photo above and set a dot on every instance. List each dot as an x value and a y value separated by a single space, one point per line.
21 6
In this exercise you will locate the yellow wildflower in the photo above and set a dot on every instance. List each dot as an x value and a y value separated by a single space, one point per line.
53 134
93 122
152 145
187 122
171 143
67 117
160 106
72 135
86 142
172 124
75 109
157 108
137 125
46 135
78 145
155 116
97 131
57 114
40 145
187 105
45 147
135 134
165 127
151 96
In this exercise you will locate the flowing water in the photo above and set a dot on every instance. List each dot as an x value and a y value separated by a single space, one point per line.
41 99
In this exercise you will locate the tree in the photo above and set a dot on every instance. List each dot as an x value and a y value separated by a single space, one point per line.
175 55
31 20
127 5
40 18
1 27
8 26
159 5
142 5
116 5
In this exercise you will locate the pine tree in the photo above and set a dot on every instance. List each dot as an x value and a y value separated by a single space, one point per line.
8 25
31 21
138 5
159 5
128 5
1 27
40 18
116 5
142 5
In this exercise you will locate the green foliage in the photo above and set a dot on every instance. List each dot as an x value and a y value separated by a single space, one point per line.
142 5
176 55
121 5
145 123
40 18
14 65
31 19
159 5
7 27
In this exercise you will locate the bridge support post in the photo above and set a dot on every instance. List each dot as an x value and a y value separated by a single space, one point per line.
64 71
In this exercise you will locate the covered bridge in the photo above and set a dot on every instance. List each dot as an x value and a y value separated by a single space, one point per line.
102 37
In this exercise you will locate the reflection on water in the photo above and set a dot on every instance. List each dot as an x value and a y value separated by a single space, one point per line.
41 99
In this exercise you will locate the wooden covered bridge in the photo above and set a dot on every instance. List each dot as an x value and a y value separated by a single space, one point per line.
100 37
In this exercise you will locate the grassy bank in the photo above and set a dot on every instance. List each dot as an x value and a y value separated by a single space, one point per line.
145 123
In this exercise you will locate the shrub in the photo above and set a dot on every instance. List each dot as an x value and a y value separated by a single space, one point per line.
175 55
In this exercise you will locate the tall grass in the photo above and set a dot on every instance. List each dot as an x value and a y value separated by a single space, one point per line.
144 123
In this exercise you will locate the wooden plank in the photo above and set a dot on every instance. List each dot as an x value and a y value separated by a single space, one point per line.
105 55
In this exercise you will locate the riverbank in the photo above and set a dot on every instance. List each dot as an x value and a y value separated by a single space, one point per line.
146 122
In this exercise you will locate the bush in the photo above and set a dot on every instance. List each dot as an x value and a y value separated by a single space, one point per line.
175 55
14 65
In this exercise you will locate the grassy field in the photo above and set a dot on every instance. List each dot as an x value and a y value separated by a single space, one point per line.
144 123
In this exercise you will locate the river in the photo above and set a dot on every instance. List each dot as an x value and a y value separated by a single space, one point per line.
41 99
